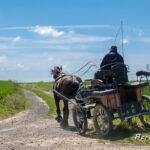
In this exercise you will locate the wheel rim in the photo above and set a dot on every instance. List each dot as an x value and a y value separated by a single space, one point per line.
146 108
102 121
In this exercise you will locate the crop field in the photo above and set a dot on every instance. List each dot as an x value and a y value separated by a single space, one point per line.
46 86
12 99
7 88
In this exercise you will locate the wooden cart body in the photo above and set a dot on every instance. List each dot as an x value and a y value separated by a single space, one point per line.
125 101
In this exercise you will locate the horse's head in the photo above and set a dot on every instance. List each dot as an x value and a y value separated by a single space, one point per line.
56 72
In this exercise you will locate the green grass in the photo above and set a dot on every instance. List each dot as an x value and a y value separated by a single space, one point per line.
46 86
146 90
13 99
123 133
7 88
49 100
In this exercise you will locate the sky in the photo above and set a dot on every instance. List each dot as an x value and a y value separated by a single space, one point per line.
36 35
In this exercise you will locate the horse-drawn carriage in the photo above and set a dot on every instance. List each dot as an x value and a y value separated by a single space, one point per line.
111 100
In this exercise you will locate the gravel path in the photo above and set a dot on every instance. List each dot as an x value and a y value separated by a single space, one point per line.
29 131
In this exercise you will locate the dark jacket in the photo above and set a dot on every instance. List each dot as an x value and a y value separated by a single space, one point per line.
113 57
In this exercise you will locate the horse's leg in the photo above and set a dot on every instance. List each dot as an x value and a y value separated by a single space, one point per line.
57 100
64 122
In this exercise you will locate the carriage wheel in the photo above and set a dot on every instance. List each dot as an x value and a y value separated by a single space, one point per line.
79 118
102 120
145 105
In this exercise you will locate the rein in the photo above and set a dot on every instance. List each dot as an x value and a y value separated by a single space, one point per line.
89 62
93 65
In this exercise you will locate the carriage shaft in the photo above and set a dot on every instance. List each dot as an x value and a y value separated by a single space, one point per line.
136 115
64 97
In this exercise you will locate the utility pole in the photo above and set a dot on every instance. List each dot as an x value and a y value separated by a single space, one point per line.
148 67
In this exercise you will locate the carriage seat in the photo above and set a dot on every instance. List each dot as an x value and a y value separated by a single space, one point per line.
119 73
101 74
98 84
95 81
86 92
136 85
105 75
143 73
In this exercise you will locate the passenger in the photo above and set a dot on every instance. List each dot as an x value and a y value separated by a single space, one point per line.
110 59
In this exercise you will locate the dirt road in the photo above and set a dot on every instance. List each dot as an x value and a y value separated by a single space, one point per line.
29 131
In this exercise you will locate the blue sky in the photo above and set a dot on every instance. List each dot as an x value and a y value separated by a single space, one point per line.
36 35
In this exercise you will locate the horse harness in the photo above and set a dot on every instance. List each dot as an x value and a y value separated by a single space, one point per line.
60 80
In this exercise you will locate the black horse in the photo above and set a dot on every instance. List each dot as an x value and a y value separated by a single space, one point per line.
68 86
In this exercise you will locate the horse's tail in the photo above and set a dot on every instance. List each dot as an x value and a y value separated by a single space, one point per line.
75 85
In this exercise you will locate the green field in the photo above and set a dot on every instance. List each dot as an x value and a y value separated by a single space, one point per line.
46 86
12 99
7 88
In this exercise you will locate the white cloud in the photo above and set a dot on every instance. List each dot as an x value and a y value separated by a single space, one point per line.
3 59
125 41
16 39
70 47
65 27
83 26
62 47
71 37
18 66
47 30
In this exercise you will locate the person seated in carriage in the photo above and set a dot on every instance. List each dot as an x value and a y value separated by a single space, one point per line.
110 59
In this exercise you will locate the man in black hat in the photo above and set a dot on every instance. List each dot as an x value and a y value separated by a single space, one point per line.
110 59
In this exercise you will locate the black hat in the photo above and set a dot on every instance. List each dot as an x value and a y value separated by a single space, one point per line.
113 48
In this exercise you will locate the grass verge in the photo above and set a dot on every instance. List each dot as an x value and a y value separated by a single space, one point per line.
46 86
14 103
123 133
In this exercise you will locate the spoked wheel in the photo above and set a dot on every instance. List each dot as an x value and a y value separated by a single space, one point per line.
79 118
102 120
145 106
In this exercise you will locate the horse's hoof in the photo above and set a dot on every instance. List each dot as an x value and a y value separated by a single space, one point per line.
64 125
59 119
